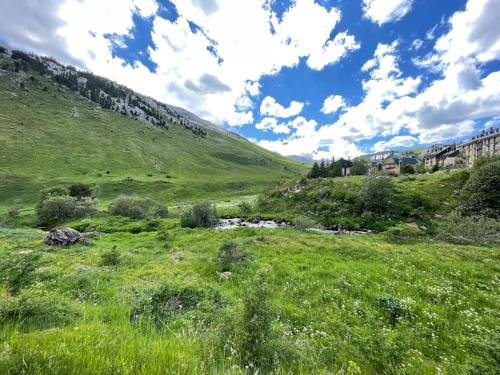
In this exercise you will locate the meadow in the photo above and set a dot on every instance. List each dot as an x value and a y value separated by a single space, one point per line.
337 304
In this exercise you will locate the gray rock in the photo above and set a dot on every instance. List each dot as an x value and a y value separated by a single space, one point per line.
65 237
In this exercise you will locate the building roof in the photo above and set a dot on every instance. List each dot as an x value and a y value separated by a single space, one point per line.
345 163
405 160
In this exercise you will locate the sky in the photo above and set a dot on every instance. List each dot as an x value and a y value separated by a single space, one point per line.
310 78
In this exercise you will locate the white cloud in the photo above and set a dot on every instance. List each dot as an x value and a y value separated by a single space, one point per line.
307 140
332 104
398 141
333 51
270 123
492 123
248 38
253 88
383 11
416 44
270 107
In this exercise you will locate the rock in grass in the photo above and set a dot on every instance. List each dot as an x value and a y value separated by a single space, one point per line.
65 237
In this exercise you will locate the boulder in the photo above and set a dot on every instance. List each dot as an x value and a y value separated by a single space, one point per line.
64 237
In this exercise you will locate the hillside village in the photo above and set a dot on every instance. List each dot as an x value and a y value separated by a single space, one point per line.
437 157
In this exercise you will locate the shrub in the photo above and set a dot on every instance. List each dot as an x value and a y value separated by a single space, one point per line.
111 258
14 212
395 308
469 229
169 301
256 324
421 168
482 191
57 209
304 222
244 208
18 270
135 207
231 254
81 190
407 169
376 193
54 191
359 167
38 309
202 215
403 233
163 233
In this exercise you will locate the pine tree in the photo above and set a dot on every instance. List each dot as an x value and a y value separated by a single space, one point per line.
315 171
323 171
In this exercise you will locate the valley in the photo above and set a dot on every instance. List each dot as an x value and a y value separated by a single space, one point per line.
210 255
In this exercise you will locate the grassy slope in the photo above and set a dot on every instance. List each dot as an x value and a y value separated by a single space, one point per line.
42 142
325 291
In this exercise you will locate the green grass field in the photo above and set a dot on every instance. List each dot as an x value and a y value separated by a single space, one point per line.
345 305
326 314
53 136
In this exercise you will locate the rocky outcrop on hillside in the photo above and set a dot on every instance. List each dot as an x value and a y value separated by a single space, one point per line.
108 94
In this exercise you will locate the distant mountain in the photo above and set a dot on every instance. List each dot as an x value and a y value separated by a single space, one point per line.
58 125
302 159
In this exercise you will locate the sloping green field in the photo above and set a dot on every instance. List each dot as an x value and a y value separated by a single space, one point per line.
56 136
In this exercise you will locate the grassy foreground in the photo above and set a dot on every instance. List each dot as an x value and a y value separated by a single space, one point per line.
350 304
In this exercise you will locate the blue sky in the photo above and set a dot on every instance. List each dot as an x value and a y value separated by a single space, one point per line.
313 78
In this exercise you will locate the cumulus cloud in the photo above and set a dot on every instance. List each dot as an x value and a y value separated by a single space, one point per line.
206 68
383 11
270 107
398 141
333 51
332 104
270 123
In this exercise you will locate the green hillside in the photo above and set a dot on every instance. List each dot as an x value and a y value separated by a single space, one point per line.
51 134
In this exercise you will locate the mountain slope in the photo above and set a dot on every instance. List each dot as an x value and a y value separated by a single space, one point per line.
50 133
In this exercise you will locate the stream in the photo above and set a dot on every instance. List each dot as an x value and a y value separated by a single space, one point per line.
271 224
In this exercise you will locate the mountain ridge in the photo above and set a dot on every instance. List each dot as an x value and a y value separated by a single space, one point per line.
50 133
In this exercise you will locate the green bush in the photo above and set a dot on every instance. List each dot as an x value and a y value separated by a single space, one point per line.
57 209
81 190
304 222
136 207
244 208
230 255
403 233
256 324
481 193
407 169
54 191
377 191
170 301
37 309
460 229
111 258
200 215
18 271
14 212
395 308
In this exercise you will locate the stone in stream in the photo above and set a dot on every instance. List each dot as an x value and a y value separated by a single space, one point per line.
64 237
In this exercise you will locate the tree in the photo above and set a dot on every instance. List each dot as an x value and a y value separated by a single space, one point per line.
359 167
377 191
323 169
421 168
315 171
407 169
335 170
481 193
